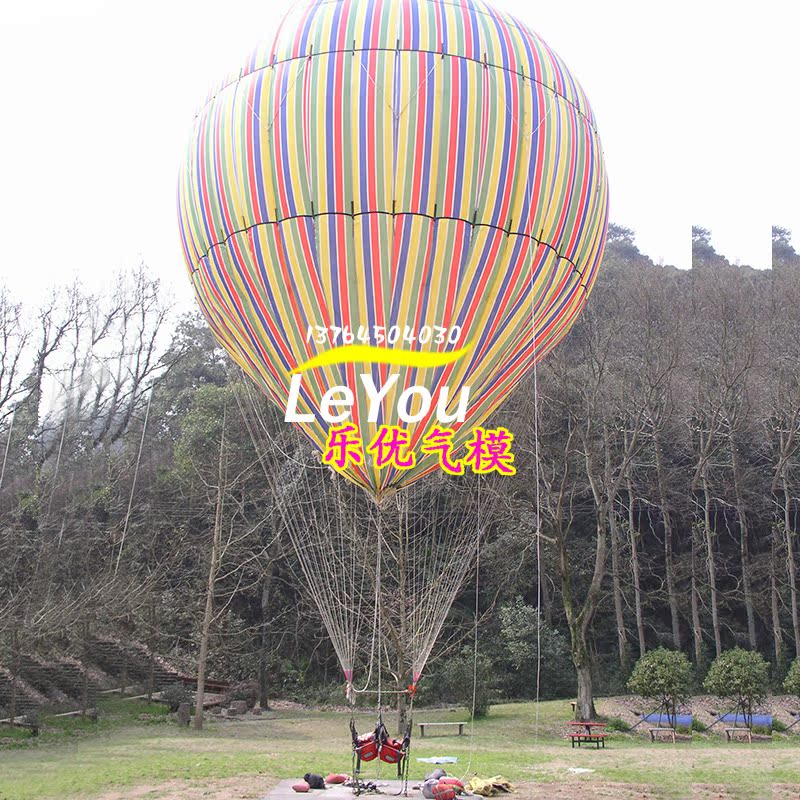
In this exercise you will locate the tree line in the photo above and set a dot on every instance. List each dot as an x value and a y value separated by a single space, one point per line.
656 502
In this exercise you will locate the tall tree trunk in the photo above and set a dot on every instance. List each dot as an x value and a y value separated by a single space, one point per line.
697 629
151 676
711 566
584 707
124 673
635 569
580 621
619 616
265 643
744 556
585 698
791 567
547 601
12 701
669 566
212 579
85 686
777 632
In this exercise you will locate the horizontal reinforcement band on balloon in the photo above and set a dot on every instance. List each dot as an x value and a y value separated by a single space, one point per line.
487 64
354 215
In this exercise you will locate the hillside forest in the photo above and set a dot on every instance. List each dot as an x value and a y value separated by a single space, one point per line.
659 504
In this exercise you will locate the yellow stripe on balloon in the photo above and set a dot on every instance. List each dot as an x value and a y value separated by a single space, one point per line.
369 354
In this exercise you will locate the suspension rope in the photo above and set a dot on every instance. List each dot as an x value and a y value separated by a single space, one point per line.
538 535
475 648
537 469
407 556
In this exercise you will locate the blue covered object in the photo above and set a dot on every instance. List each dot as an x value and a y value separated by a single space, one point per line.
762 720
667 720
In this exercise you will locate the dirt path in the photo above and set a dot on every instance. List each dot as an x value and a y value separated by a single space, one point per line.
250 788
254 788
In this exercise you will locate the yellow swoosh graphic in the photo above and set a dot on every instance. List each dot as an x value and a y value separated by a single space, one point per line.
369 354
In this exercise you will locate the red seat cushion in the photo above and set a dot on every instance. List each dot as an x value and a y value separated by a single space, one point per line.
367 747
392 751
444 791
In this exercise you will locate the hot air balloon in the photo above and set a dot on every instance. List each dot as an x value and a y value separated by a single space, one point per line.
401 200
396 194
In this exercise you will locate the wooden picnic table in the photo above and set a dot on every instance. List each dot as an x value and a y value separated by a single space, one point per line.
588 735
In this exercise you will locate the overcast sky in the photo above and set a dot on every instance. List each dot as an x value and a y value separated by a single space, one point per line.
696 104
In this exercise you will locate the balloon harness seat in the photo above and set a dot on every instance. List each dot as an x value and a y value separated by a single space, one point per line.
378 744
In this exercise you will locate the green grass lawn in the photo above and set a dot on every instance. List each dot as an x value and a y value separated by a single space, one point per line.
81 759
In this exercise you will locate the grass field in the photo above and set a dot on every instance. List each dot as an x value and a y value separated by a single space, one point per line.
123 756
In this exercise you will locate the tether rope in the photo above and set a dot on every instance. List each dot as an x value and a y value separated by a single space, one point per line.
475 650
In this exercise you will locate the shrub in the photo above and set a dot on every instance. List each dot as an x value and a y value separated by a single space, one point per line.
521 632
778 726
763 730
663 675
175 694
459 676
698 726
792 683
739 675
617 724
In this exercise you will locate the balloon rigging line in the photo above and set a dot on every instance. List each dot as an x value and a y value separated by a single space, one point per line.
475 648
421 86
378 88
355 214
325 572
459 56
537 475
322 552
263 426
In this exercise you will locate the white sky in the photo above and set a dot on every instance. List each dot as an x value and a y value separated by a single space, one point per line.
696 104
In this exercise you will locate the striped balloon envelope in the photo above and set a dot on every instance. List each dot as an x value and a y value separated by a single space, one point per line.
410 188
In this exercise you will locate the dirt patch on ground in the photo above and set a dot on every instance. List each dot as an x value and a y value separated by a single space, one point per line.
257 788
581 790
254 788
250 788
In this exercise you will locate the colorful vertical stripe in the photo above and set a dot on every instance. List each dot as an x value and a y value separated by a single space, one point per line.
394 162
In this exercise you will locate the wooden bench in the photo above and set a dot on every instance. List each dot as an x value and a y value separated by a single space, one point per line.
730 733
654 732
423 725
597 739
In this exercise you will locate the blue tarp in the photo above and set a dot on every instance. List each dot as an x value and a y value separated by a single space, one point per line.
762 720
666 720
